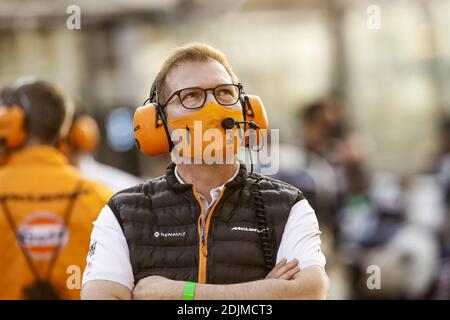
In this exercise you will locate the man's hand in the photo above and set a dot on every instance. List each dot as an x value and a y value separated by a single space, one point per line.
105 290
158 288
283 270
310 283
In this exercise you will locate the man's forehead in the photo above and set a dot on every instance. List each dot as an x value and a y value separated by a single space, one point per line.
197 74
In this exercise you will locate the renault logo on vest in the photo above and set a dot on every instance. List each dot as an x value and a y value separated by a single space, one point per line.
169 234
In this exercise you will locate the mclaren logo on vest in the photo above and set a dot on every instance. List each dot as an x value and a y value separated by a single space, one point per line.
249 229
169 234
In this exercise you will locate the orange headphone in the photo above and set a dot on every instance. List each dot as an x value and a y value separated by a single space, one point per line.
150 123
84 135
12 126
13 120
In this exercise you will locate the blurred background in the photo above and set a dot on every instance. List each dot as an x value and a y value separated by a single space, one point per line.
359 89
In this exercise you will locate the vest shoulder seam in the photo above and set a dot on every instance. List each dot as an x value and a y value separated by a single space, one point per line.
287 186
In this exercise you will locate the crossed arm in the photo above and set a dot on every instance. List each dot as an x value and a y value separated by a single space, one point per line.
284 282
310 283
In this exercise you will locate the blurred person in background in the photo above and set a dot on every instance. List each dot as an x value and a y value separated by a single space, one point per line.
442 171
309 165
80 145
231 261
404 257
323 125
46 206
378 231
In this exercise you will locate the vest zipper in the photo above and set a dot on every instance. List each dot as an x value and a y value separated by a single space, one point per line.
203 229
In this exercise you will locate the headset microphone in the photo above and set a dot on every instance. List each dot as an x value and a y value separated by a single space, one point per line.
250 123
229 123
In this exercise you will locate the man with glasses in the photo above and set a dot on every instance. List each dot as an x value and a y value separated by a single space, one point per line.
208 229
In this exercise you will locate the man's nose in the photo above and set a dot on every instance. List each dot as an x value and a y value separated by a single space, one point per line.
209 97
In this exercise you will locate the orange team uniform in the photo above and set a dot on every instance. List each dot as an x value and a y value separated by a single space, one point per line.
46 215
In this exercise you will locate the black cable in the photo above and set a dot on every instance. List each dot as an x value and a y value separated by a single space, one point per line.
67 214
260 211
263 229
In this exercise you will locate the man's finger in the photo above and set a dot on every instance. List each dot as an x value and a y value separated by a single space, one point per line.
290 274
282 270
277 266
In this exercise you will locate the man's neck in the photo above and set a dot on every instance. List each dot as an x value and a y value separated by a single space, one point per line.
206 177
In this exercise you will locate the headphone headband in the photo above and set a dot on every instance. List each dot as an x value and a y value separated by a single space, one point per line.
153 93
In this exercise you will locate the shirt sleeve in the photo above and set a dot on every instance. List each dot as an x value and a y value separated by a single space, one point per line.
108 257
301 237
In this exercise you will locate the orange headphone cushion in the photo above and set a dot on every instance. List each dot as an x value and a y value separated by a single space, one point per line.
12 126
259 117
85 134
151 141
259 112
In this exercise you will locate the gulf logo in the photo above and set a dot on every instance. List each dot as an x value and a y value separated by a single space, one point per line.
41 234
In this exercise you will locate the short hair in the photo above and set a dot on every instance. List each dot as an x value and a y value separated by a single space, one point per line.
193 52
311 112
48 112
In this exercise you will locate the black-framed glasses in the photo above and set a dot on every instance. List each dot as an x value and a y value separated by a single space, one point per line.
195 97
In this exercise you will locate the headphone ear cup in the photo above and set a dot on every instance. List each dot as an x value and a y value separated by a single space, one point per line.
85 134
259 116
259 112
12 126
151 140
64 147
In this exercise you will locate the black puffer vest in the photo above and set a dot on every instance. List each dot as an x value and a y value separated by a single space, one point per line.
160 220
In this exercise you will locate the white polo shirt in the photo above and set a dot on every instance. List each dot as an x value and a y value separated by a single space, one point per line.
109 257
